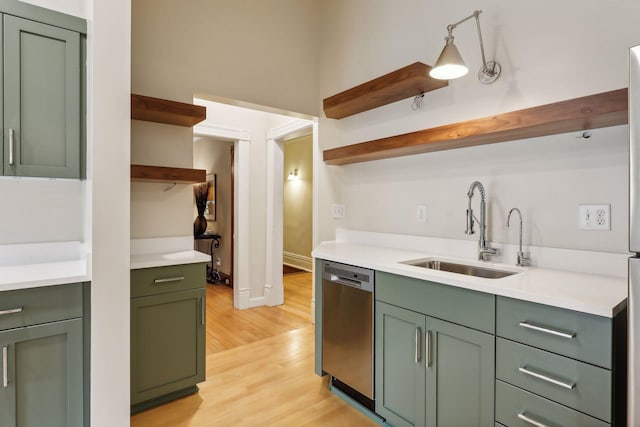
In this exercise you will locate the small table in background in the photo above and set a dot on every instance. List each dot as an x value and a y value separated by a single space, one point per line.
213 275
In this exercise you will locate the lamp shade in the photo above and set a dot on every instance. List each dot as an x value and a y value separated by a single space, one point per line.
449 64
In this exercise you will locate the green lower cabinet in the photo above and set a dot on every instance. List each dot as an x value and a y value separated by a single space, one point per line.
43 385
432 373
399 369
460 378
167 344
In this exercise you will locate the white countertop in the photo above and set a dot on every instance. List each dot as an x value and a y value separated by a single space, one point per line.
168 258
33 265
588 293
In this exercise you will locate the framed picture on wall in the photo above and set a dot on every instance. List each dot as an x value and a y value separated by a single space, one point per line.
210 210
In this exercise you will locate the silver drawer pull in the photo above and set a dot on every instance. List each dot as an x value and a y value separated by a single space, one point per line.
169 279
567 385
530 420
418 335
5 367
202 310
11 311
428 349
11 161
568 335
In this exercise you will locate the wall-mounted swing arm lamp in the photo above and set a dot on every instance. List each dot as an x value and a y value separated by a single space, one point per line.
450 65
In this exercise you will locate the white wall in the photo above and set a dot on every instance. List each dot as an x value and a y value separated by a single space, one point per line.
549 51
261 52
42 210
258 123
109 146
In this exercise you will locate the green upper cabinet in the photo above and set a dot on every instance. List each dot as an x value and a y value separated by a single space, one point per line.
42 71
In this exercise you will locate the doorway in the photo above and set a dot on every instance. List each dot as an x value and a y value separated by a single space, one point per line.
216 157
258 138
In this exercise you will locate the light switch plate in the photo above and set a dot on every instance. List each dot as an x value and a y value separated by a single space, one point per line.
421 214
594 217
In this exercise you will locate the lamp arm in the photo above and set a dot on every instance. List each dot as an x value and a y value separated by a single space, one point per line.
475 14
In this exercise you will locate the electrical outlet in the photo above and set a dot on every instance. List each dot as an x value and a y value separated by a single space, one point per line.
339 211
594 217
421 214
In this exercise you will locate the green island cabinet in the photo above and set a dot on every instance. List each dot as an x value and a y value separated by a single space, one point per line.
434 354
43 93
43 356
167 333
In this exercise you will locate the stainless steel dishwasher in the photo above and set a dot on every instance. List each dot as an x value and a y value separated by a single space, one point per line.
347 328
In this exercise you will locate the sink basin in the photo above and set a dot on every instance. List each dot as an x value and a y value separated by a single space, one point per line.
469 270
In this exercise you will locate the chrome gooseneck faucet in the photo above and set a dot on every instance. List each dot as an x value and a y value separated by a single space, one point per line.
523 259
484 251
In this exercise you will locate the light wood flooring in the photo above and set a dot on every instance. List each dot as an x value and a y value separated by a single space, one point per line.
259 369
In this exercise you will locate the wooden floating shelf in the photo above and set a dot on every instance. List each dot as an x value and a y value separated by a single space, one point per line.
406 82
163 111
164 174
589 112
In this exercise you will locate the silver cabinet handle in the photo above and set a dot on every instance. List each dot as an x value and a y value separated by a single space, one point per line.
567 385
202 310
170 279
418 335
530 420
11 311
5 367
428 348
528 325
11 147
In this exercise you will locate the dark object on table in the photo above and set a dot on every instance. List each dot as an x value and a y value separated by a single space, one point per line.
201 192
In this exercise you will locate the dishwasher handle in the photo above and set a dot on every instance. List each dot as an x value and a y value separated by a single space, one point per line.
348 275
346 281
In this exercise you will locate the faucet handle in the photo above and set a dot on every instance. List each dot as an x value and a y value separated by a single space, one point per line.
524 259
488 252
469 229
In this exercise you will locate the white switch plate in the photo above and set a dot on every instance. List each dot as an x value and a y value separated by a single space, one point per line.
594 217
421 214
339 211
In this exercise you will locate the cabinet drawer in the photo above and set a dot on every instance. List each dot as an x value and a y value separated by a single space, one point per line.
515 406
570 333
462 306
33 306
159 280
578 385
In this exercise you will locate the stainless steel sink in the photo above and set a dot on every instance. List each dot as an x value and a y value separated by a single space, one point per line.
469 270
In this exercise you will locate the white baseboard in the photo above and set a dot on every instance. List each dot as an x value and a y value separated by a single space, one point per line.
298 261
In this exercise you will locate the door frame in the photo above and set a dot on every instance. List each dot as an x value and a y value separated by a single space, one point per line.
274 288
241 234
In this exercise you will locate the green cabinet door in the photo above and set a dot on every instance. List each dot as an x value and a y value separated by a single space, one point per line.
43 385
167 343
42 78
460 376
400 367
